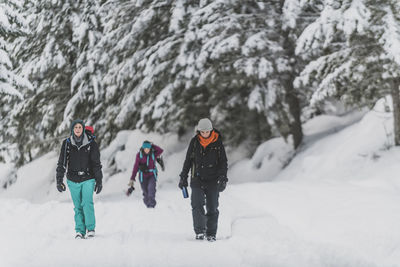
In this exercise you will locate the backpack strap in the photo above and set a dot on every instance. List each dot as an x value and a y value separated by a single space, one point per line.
147 163
66 152
155 165
192 156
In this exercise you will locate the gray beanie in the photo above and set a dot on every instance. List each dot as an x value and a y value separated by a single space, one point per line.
204 125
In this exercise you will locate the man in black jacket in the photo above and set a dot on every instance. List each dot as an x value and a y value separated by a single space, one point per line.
80 156
207 160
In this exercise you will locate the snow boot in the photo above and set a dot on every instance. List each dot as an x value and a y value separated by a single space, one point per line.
79 236
211 238
200 236
90 234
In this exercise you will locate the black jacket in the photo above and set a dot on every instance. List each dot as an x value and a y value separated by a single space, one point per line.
207 165
81 163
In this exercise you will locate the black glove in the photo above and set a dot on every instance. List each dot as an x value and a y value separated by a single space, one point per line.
60 186
221 183
183 183
130 189
98 187
161 162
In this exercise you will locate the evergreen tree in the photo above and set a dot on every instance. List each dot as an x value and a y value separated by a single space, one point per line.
355 54
47 56
240 55
138 51
223 60
173 62
85 86
12 86
11 26
58 57
160 66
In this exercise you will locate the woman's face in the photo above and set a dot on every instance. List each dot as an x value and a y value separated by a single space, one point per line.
205 134
78 129
146 150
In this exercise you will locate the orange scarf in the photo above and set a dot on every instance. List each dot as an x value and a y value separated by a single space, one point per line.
206 141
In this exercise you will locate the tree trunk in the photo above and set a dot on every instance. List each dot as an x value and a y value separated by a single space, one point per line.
396 109
291 94
287 79
295 111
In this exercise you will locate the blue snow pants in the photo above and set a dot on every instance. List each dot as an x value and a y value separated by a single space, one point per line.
82 197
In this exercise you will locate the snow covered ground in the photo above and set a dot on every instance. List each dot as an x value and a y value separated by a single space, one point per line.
337 203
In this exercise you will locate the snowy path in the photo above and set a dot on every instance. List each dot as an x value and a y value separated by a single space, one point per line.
268 224
336 204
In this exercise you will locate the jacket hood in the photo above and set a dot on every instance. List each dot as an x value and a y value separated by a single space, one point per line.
85 141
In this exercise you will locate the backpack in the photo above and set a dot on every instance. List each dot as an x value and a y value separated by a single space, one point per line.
90 132
146 167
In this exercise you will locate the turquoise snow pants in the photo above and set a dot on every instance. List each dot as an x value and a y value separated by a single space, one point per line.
82 197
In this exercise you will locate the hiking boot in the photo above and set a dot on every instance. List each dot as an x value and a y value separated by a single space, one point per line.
211 238
200 236
90 234
79 236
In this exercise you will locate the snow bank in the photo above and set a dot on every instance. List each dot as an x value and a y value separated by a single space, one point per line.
359 153
36 180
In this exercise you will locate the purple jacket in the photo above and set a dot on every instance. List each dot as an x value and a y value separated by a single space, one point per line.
152 163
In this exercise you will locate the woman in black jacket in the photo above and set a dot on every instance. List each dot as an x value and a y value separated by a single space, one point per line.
207 160
80 157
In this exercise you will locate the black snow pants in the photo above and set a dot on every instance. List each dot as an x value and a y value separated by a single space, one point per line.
202 222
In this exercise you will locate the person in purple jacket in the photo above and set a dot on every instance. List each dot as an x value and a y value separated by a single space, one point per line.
145 165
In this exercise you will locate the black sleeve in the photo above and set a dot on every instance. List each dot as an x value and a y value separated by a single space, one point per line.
62 162
188 160
223 162
95 161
